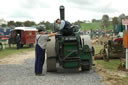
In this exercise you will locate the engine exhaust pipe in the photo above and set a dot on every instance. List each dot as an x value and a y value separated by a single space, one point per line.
62 14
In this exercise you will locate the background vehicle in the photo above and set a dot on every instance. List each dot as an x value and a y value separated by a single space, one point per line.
3 40
27 36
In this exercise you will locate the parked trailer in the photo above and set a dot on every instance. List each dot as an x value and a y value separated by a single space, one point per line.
27 36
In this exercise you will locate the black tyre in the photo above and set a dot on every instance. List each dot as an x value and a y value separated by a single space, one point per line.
85 66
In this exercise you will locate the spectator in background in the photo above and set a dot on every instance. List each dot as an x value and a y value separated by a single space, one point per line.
18 41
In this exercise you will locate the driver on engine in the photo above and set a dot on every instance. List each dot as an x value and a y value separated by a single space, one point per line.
65 27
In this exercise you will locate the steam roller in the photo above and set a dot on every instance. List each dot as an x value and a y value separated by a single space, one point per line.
73 51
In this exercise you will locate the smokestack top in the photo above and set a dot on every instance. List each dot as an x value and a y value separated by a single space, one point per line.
62 7
62 14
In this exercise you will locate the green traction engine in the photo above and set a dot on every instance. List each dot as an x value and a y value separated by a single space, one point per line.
70 52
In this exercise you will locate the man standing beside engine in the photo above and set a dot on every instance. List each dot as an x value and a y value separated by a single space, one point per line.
41 42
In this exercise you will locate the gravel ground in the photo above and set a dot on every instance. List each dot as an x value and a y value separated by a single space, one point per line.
23 74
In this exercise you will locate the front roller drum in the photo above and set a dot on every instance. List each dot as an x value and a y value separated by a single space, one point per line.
51 64
51 55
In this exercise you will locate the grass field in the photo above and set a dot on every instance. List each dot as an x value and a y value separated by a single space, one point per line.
9 51
88 26
94 26
98 48
110 68
111 65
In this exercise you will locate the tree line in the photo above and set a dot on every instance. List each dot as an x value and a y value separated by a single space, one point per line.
105 22
28 23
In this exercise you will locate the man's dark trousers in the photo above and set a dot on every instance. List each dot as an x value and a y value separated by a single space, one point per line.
39 61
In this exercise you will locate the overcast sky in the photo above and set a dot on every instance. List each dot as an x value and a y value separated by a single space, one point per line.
48 10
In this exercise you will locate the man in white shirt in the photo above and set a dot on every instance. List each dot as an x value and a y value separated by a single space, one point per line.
41 42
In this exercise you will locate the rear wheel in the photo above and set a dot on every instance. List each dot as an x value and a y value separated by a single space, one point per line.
85 66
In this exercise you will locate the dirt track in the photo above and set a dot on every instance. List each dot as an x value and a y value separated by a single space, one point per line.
17 58
18 69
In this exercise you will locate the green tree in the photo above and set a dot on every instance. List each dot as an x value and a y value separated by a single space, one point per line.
29 23
115 21
93 20
11 23
42 22
105 21
120 18
3 25
48 25
19 24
